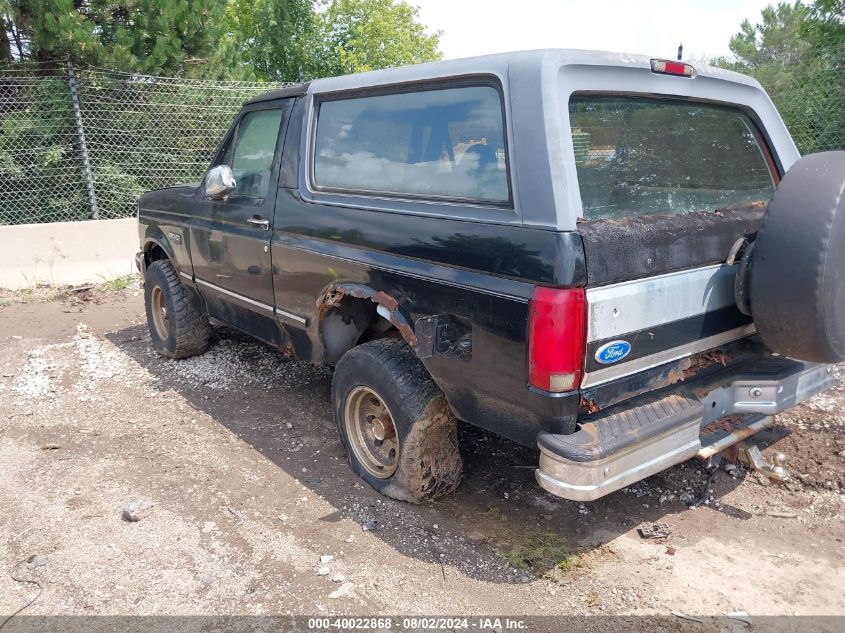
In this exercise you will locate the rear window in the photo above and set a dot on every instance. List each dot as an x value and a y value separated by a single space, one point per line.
641 155
441 143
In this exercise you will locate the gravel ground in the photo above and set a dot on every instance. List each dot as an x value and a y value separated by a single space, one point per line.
248 485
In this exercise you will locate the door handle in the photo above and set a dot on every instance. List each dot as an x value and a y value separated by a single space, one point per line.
264 224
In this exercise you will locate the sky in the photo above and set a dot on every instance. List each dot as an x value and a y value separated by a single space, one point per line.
653 27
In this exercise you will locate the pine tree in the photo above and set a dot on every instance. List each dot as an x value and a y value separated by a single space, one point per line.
171 37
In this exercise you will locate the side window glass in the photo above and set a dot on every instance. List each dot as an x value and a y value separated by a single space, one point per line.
250 155
439 143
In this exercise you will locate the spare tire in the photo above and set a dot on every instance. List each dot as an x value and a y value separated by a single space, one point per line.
797 270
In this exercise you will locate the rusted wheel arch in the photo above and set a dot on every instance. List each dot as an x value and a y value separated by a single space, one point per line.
386 306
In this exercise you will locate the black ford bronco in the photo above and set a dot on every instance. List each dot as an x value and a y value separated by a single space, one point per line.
622 261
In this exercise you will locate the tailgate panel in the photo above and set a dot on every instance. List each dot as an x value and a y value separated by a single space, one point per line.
661 319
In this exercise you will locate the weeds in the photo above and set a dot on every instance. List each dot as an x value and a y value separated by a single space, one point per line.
543 551
27 295
40 294
118 283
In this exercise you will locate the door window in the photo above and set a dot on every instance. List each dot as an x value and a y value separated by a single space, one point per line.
251 153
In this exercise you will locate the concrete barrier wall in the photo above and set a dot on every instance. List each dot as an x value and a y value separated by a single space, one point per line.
67 253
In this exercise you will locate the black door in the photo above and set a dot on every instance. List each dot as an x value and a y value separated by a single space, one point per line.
230 239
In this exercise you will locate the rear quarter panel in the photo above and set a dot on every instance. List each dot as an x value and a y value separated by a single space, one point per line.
480 273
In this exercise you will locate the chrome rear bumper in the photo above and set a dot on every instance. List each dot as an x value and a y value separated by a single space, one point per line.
633 441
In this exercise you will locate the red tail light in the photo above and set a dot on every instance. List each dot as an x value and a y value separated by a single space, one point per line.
556 338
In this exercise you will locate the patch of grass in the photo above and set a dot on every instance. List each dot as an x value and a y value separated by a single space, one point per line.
569 562
27 295
118 283
542 551
565 565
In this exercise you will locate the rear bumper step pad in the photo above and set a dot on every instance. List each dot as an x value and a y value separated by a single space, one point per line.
614 433
635 440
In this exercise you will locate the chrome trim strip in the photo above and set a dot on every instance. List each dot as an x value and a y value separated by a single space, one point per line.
635 305
186 275
291 316
275 310
235 295
647 362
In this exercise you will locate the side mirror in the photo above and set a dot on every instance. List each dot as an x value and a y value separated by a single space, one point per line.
220 182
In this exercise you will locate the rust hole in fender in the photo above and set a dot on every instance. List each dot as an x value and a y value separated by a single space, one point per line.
333 295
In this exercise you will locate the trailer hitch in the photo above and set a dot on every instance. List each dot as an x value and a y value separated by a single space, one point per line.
752 457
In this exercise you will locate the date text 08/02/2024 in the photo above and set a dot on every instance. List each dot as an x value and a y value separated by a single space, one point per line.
418 623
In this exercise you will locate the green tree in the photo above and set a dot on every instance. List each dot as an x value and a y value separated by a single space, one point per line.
175 37
277 40
360 35
777 39
797 52
275 36
826 27
6 33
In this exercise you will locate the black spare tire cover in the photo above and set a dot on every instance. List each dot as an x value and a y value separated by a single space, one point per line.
798 263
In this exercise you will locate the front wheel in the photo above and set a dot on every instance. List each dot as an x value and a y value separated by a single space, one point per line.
178 326
395 423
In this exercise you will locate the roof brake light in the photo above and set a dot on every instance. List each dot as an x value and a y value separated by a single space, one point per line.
666 67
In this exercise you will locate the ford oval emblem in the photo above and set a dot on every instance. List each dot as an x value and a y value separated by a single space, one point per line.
613 352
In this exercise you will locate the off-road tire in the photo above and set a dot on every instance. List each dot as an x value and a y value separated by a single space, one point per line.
188 326
429 462
797 269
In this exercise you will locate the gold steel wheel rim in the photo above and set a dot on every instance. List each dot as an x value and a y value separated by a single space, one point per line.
371 432
158 307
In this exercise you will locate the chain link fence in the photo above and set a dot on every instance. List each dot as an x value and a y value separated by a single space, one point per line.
810 95
144 132
41 178
138 133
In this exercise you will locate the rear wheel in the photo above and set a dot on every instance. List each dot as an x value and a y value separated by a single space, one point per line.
178 326
371 432
395 423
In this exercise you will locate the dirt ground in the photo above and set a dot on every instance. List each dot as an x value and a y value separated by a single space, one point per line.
237 451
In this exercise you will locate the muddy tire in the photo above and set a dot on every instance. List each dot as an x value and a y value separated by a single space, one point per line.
399 433
178 326
797 270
